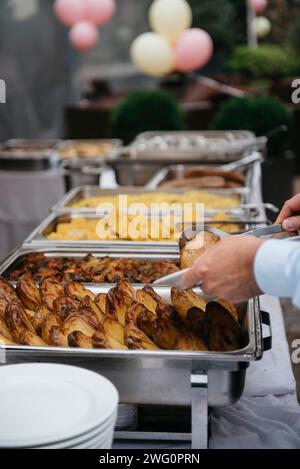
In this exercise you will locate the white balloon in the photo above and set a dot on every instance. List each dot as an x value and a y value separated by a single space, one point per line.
170 18
262 26
152 54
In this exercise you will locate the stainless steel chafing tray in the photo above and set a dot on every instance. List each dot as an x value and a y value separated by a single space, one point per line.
151 151
39 237
163 377
84 192
14 260
172 378
115 145
30 155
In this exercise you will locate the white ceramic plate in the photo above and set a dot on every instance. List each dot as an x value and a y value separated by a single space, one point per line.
41 404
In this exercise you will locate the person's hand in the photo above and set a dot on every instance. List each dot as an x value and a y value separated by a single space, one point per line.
288 216
226 270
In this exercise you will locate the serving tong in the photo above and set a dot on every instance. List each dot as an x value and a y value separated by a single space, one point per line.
176 279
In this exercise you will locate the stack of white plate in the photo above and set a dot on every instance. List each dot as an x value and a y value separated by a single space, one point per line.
56 406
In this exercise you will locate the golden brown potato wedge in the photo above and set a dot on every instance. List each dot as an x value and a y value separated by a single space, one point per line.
29 338
119 300
145 298
78 292
184 300
102 341
50 290
17 320
135 339
4 330
152 301
63 305
100 301
38 319
145 320
165 334
189 342
29 293
7 291
5 341
51 320
79 340
4 303
88 303
57 337
113 329
192 249
78 323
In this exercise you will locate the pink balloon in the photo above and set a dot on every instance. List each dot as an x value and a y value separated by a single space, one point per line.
100 11
84 36
193 50
69 12
259 6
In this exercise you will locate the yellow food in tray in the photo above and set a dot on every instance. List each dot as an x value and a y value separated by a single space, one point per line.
211 201
86 150
141 229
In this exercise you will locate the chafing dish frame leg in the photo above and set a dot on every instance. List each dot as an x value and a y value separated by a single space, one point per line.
199 388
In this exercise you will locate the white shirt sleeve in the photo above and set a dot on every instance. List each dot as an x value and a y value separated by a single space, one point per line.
277 269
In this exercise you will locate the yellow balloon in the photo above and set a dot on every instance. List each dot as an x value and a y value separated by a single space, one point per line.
152 54
262 26
170 18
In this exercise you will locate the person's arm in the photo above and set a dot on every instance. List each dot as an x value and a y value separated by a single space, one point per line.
277 269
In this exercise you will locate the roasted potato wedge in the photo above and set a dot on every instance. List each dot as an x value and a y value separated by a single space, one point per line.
50 290
79 340
4 330
145 320
119 300
79 324
184 300
4 303
29 293
153 302
100 301
78 292
57 337
102 341
113 329
189 342
17 320
165 334
51 320
220 331
7 291
29 338
63 305
192 249
39 317
136 339
5 341
88 303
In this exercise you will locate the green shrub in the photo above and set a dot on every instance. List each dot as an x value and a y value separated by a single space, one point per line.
144 111
260 115
265 61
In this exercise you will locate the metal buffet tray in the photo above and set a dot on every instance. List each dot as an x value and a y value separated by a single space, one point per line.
14 259
172 378
85 192
30 155
77 161
151 151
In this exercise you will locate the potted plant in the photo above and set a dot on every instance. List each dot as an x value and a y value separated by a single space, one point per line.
263 115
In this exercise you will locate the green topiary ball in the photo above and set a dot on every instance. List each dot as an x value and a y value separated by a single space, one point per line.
144 111
260 115
266 61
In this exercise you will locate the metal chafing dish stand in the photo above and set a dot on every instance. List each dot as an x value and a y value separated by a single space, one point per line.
173 378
